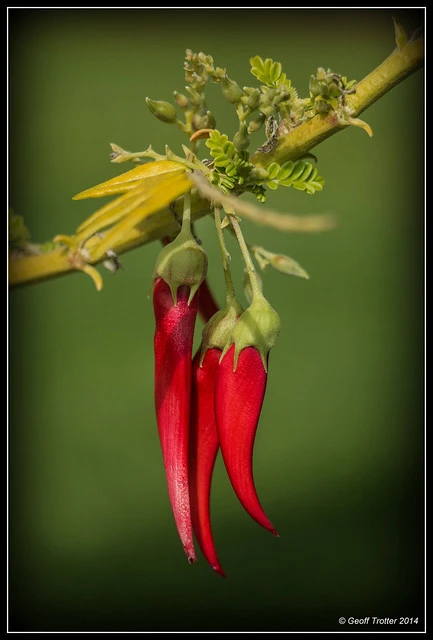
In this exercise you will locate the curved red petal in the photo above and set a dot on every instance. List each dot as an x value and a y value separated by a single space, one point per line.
173 342
238 402
203 449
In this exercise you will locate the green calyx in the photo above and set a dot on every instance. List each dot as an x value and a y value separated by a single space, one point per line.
258 327
182 262
217 331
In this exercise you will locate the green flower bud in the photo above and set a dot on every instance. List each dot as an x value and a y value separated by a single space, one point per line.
266 99
164 111
196 98
270 110
322 106
231 90
280 262
182 262
287 265
241 139
321 74
256 123
253 100
334 90
281 96
180 99
218 74
205 59
323 86
210 121
314 86
206 121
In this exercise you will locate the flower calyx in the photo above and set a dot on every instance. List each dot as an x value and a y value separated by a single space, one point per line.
218 330
182 262
258 326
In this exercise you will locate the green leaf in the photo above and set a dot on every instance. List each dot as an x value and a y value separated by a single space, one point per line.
301 175
273 170
286 170
267 71
275 71
221 148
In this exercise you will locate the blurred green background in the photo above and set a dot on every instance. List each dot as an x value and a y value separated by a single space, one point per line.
339 459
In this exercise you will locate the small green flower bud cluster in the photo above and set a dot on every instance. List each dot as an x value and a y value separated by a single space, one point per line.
327 90
199 68
274 105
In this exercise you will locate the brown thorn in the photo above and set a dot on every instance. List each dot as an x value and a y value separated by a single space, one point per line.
200 134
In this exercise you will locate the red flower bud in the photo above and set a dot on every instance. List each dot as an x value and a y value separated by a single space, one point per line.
239 397
203 449
173 342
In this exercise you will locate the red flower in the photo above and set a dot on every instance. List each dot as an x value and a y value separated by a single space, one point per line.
239 397
203 450
212 401
173 342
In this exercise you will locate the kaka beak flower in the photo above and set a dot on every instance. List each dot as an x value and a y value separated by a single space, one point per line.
239 393
179 271
204 447
173 348
204 443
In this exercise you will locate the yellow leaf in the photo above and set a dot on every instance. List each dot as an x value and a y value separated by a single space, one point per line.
120 207
130 179
141 203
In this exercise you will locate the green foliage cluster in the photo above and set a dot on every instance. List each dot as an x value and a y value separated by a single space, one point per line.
233 170
273 106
